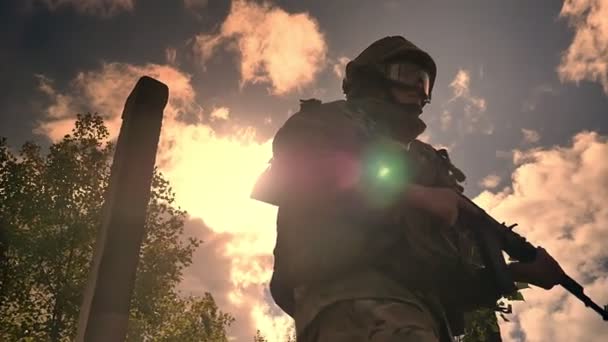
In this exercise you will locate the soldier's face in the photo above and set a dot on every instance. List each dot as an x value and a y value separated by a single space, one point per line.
411 82
407 96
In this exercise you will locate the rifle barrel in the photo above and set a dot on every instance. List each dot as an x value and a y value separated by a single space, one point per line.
577 289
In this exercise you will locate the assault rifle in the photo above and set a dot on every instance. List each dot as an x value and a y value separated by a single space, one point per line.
493 238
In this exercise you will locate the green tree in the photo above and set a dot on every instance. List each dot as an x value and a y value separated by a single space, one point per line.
50 211
259 337
290 337
481 326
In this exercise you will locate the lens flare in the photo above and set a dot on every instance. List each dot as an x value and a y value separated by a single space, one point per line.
385 172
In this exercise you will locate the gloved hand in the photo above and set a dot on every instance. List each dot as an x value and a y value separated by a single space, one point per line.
544 271
443 203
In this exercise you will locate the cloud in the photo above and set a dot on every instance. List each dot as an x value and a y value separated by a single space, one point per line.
474 106
427 137
56 129
490 181
57 123
214 270
208 273
104 91
558 198
461 89
283 49
222 113
587 56
205 46
212 176
530 136
62 103
103 8
445 119
339 67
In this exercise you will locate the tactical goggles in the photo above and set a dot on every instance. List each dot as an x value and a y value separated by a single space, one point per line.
409 75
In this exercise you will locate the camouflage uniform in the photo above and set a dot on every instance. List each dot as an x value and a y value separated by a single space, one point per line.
340 272
363 320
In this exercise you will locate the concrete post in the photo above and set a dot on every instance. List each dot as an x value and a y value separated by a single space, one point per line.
104 313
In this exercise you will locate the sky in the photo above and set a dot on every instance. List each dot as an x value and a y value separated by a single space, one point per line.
520 102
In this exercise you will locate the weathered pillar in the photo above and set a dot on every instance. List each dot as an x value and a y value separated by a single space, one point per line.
104 313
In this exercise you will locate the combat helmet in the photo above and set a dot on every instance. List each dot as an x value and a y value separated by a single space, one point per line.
372 67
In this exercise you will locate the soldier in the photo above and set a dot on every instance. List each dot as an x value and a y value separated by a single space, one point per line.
368 246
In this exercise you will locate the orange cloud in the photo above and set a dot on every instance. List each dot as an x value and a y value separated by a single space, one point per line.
213 270
490 181
474 106
558 198
587 56
170 55
104 91
61 103
221 113
460 84
56 129
276 47
530 136
340 66
445 119
212 177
